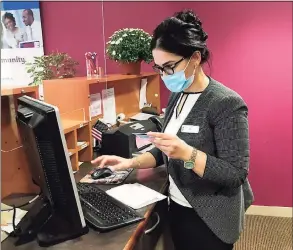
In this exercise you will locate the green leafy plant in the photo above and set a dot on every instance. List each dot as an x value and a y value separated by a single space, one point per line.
130 45
56 65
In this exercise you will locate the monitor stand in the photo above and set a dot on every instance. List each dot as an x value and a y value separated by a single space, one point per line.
47 227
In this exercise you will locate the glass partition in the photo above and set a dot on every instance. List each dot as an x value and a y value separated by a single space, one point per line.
128 27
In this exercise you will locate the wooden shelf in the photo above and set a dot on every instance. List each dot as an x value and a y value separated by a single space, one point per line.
71 125
78 132
109 78
83 146
71 152
74 162
19 90
117 77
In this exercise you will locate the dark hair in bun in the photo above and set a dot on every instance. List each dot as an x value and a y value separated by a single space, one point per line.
182 34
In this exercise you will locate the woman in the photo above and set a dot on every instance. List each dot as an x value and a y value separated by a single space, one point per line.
13 35
205 142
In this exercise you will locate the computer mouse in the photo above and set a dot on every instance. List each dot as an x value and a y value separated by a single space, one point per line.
101 173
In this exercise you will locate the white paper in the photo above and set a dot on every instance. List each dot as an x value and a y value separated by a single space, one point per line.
81 143
142 93
9 228
109 106
135 195
7 216
95 105
41 92
141 116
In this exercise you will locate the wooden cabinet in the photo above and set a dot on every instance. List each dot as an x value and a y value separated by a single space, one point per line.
15 172
78 140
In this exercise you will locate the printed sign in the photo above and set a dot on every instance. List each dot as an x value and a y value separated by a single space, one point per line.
21 41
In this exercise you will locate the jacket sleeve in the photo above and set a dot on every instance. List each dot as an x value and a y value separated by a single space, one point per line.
158 155
229 168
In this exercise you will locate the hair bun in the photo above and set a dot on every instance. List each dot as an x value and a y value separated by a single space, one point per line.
189 17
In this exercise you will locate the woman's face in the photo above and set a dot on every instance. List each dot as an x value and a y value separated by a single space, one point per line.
169 62
9 24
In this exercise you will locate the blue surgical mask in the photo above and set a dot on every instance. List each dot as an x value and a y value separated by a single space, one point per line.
178 82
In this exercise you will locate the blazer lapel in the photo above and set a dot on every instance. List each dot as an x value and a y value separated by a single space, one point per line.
197 107
195 116
170 112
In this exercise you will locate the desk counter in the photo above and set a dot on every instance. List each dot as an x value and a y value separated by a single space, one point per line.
126 238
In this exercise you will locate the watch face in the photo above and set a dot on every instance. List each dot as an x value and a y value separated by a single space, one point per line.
189 164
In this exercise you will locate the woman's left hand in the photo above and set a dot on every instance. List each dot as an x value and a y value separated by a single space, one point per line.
171 145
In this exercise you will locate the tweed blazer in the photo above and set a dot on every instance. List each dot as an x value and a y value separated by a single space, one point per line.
223 194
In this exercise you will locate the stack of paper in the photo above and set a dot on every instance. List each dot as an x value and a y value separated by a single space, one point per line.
135 195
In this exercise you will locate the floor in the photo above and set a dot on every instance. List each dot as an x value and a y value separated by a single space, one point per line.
262 233
266 233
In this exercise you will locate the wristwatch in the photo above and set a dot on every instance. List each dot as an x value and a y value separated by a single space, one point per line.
190 164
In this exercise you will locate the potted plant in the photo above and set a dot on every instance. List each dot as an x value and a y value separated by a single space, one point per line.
129 47
56 65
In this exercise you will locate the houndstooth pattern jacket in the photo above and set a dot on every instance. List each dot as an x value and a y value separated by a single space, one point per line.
223 194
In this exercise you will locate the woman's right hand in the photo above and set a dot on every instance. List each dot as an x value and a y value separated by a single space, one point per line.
116 163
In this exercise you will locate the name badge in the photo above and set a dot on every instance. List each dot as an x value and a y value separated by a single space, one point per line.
190 129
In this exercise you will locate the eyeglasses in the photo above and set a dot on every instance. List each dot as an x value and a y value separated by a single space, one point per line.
168 69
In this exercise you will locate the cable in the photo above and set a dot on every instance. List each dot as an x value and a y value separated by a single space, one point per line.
13 218
7 151
22 205
14 210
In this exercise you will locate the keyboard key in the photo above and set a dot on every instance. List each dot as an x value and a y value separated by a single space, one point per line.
103 211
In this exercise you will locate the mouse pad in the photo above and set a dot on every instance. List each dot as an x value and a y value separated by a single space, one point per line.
116 178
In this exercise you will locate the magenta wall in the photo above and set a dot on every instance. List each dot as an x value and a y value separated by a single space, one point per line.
252 53
251 43
77 27
73 27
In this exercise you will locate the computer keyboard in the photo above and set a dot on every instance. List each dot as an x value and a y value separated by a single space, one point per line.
102 211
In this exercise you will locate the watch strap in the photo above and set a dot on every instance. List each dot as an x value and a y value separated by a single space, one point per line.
190 164
193 155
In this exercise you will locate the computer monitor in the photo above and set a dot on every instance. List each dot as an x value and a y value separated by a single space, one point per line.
57 216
